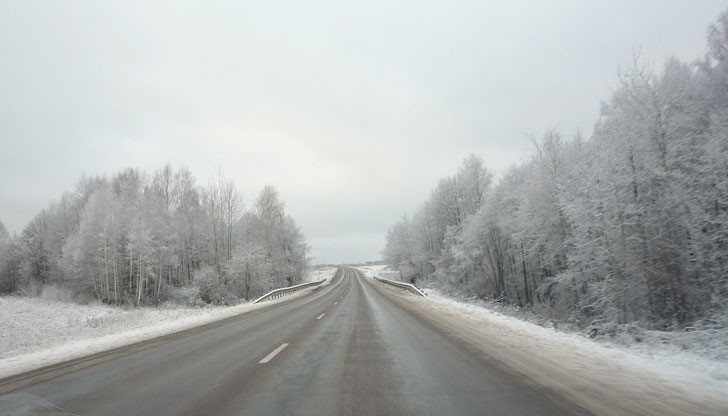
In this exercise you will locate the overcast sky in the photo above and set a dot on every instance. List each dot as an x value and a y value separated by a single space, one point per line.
353 111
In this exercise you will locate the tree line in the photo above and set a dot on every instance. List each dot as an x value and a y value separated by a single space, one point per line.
139 239
629 226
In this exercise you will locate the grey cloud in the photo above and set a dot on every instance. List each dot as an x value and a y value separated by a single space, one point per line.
352 111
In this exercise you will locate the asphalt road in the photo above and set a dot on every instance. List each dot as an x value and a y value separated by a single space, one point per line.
345 349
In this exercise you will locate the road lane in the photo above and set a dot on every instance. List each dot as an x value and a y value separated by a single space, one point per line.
363 355
174 376
374 358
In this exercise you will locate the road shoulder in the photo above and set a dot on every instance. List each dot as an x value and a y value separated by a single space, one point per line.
587 373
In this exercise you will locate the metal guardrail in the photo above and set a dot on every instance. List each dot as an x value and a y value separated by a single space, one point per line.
406 286
286 290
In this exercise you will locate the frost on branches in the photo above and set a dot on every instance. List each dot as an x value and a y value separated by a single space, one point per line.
139 239
629 226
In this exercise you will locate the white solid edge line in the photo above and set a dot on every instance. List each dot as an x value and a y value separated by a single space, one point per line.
321 316
272 354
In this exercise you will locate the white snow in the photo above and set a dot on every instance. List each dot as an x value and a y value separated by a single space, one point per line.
665 377
321 273
690 367
38 332
375 270
695 368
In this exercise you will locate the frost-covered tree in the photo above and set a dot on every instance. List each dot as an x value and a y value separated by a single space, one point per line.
280 238
398 251
8 262
425 243
138 239
628 226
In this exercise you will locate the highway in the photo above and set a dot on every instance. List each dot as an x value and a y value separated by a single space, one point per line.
347 348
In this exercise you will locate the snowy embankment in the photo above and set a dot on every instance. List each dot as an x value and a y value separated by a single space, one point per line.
640 377
687 370
379 270
37 332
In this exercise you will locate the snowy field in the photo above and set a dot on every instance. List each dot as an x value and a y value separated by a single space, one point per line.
37 332
380 270
641 373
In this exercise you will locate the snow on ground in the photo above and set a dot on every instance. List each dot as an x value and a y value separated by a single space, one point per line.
674 378
703 357
375 270
691 368
663 378
37 332
319 273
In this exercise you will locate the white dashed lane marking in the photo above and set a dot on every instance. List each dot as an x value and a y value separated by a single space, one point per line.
272 354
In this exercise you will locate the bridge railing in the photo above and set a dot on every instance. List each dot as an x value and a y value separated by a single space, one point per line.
406 286
287 290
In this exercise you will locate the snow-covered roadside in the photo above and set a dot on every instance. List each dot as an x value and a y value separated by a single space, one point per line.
36 332
703 361
609 378
376 270
690 362
689 368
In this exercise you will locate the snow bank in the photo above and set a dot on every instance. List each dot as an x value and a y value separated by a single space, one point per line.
642 375
695 364
39 332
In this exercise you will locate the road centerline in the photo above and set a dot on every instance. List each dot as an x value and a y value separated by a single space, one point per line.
273 354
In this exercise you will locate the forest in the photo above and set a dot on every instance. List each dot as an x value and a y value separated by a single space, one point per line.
138 239
626 227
